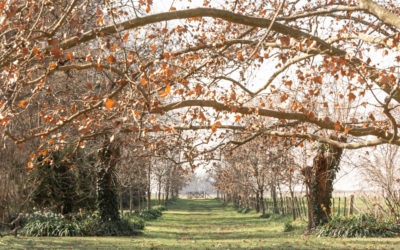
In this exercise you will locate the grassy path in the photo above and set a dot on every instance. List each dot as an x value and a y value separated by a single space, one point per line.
205 224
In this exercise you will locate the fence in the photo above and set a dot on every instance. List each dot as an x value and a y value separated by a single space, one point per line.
196 195
297 206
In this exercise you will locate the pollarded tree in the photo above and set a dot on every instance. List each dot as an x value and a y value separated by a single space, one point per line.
107 198
319 179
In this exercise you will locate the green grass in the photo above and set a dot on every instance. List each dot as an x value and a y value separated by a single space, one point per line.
205 224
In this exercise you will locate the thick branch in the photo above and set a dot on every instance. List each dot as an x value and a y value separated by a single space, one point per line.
366 38
317 13
380 12
321 45
199 12
352 145
355 131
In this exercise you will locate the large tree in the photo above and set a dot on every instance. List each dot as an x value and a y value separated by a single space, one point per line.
136 63
74 70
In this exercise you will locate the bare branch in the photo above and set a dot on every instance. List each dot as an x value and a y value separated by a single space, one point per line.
283 68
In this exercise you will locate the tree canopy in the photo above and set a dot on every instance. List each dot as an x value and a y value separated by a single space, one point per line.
74 70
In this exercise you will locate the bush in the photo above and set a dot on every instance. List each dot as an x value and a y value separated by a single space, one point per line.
149 214
266 216
358 226
287 226
244 210
160 208
93 226
122 227
137 222
52 224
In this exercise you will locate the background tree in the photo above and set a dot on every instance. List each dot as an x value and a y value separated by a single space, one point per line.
63 181
381 171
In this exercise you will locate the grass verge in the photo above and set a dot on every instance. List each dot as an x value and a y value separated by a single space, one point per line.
206 224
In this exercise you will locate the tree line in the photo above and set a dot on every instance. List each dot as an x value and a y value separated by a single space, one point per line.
118 76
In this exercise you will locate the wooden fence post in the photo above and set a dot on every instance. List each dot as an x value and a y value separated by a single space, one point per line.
344 206
286 205
293 207
351 207
298 207
304 207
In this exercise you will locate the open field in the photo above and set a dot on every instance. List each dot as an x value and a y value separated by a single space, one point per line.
205 224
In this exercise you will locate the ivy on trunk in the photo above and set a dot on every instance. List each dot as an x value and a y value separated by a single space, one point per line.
107 194
319 180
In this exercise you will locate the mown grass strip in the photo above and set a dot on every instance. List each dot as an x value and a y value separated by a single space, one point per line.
206 224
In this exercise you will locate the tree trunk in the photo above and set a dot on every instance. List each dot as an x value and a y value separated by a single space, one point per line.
159 190
319 180
107 193
130 199
257 201
107 196
140 198
281 199
262 201
121 202
148 197
166 192
149 186
274 199
292 198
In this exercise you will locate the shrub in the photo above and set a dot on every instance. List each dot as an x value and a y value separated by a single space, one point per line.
50 224
137 222
149 214
358 226
266 216
94 226
160 208
122 227
243 210
287 226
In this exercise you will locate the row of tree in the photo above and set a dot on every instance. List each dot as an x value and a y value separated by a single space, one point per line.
269 164
91 74
284 168
106 177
